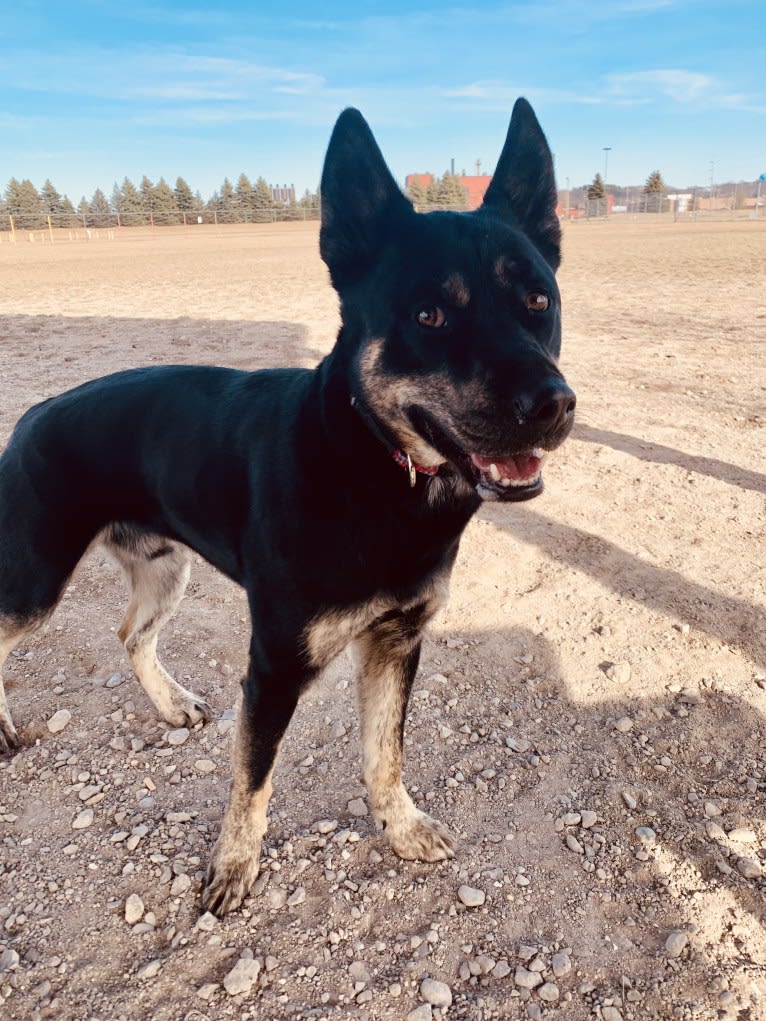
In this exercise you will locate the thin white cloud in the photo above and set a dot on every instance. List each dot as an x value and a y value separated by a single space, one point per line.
680 86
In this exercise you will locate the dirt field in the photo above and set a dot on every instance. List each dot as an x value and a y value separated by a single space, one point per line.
590 715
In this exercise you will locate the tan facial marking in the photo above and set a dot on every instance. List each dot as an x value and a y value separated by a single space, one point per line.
455 289
505 272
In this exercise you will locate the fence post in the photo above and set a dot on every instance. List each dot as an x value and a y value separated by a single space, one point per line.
13 229
50 229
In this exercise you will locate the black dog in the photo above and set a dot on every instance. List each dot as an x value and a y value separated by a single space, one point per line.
335 496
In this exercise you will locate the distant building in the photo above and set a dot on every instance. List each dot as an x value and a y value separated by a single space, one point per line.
283 195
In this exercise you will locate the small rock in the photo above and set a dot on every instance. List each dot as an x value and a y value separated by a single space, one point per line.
207 922
180 885
588 819
150 969
471 897
83 820
646 835
178 737
359 972
549 992
296 897
624 724
242 976
59 720
574 844
520 744
502 969
9 960
572 819
438 994
561 964
134 909
629 799
526 979
421 1013
207 991
742 835
619 673
357 807
711 810
750 868
204 766
325 826
715 831
610 1014
675 944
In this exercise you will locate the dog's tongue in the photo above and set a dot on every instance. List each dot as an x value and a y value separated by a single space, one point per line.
517 468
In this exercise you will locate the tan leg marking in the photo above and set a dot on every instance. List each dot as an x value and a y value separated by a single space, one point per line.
10 636
235 861
382 704
157 587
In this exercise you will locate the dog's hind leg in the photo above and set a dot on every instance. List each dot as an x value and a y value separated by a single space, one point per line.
390 652
157 571
10 636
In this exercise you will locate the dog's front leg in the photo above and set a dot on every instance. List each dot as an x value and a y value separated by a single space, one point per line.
264 713
390 652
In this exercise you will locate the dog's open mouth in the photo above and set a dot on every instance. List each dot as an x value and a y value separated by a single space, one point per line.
513 477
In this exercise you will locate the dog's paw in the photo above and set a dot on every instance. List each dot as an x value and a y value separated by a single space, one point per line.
9 739
187 709
230 876
419 837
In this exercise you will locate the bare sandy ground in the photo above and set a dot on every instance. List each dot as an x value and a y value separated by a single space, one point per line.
590 712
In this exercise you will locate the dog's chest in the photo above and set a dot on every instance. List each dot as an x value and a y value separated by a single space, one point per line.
330 632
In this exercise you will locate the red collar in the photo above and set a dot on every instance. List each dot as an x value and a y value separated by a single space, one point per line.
406 462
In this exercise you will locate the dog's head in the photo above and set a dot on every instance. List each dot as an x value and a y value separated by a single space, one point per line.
451 321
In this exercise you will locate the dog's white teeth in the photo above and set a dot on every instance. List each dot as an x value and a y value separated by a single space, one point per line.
503 482
495 475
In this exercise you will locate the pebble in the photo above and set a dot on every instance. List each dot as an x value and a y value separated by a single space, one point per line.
629 799
526 979
438 994
9 959
588 819
59 720
421 1013
502 969
205 992
574 844
561 964
204 766
619 672
520 745
624 724
675 944
742 835
715 831
471 897
296 897
83 820
242 976
646 835
359 972
134 909
150 969
180 885
610 1014
357 807
549 992
326 825
178 737
750 868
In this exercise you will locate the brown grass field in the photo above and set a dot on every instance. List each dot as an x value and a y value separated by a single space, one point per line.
603 651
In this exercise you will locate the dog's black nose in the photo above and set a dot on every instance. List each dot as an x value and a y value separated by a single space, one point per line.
554 405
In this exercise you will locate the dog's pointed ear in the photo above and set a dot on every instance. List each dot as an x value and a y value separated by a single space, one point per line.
523 188
362 205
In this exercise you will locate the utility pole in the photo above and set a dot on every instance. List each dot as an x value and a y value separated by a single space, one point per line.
607 149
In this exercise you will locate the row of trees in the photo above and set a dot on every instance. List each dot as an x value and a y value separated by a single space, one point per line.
441 193
131 205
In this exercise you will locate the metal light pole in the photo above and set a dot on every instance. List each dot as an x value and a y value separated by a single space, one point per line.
607 149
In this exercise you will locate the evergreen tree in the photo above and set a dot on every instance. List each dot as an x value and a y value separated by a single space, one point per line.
83 212
263 201
452 194
24 205
100 211
51 202
596 189
245 198
227 203
433 192
416 193
165 208
128 203
147 195
654 190
184 197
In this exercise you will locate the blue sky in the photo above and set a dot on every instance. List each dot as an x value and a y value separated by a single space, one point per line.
94 91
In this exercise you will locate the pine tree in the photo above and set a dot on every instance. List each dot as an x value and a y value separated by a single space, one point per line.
101 214
227 203
416 193
433 192
52 203
263 201
184 197
245 194
165 208
596 189
24 205
452 194
129 204
147 195
654 190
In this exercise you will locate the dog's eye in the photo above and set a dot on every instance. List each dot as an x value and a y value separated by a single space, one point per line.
537 301
431 316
